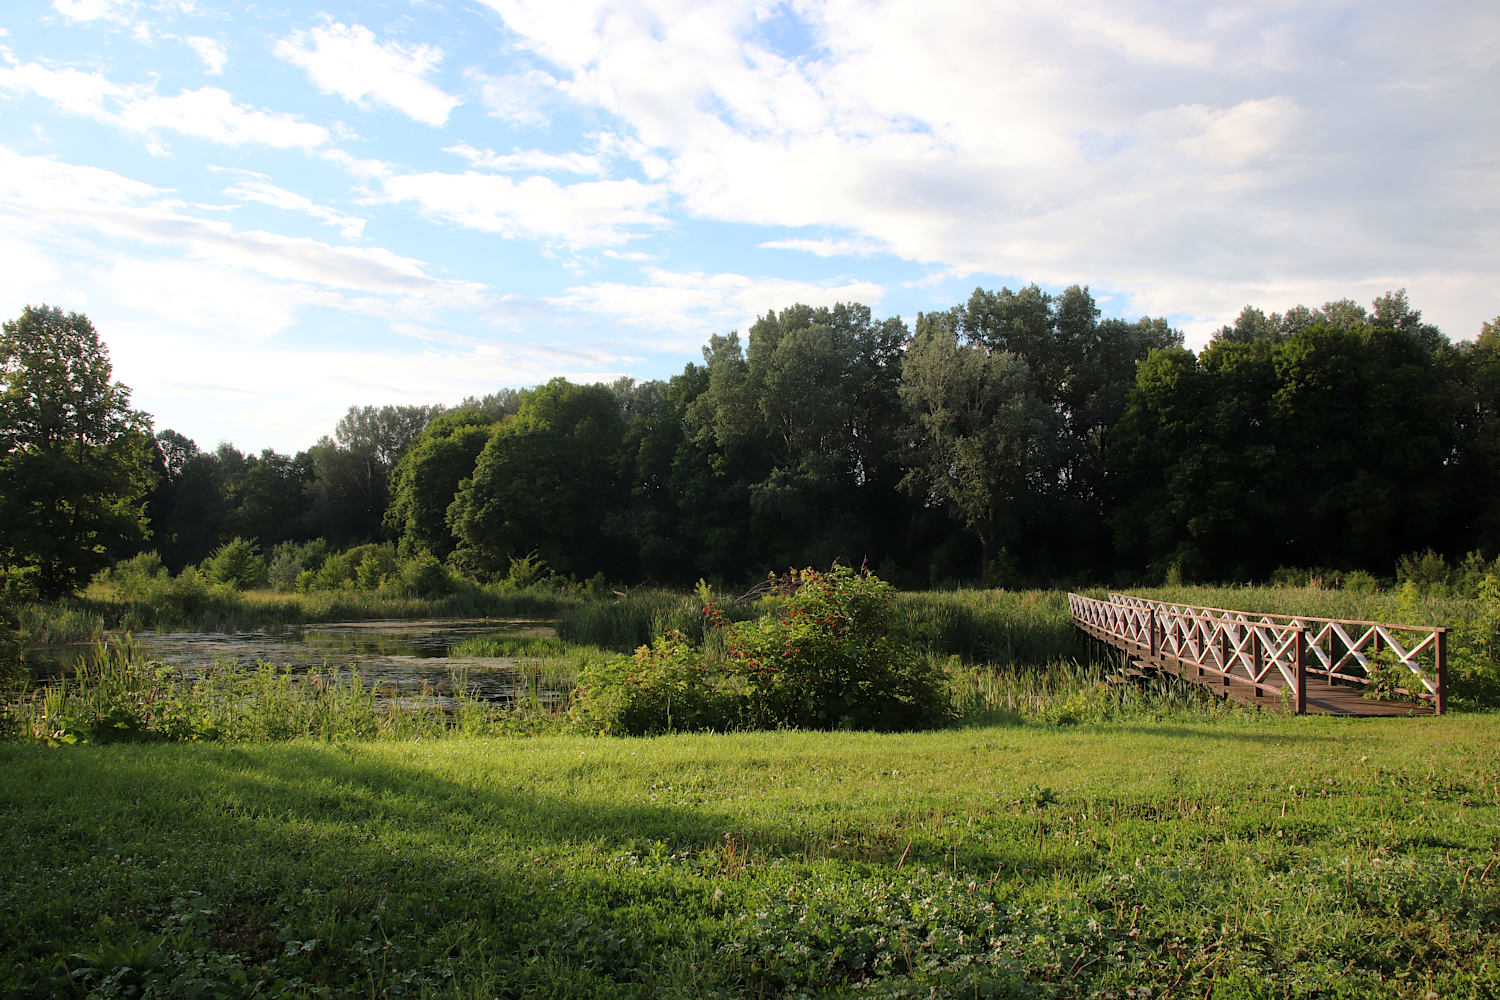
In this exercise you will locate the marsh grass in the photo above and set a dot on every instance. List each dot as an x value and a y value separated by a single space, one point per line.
119 694
628 621
1229 858
188 605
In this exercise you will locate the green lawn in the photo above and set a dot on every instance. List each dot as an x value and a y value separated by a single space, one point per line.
1240 857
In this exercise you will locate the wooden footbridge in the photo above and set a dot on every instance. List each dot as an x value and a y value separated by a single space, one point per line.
1283 663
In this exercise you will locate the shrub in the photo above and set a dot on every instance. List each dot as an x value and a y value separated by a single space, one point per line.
666 686
827 657
424 576
136 578
237 564
1360 582
1427 570
290 560
830 659
1473 674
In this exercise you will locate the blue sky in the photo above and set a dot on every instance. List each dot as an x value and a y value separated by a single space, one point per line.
273 212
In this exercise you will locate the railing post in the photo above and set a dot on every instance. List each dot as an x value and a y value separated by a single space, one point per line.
1255 659
1441 666
1299 646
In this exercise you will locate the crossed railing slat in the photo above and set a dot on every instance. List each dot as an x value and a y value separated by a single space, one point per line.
1259 648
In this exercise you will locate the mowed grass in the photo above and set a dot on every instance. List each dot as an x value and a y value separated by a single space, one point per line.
1237 857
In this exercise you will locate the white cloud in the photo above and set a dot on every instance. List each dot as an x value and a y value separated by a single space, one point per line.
208 112
827 248
694 304
1190 152
258 189
519 98
348 61
211 51
529 160
211 113
94 10
588 214
79 205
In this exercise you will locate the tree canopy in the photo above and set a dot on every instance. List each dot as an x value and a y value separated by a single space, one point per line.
74 456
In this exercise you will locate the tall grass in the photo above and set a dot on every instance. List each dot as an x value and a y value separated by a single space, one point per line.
1027 627
1390 606
632 620
190 606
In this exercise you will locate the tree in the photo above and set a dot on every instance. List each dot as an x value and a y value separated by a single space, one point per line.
807 419
980 428
75 459
545 482
426 479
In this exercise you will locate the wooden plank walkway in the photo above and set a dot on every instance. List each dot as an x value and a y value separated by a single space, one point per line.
1281 663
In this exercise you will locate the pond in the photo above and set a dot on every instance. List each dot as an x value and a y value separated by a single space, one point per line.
399 659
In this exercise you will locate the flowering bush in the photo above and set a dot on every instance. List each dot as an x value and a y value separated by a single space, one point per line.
824 658
828 658
666 686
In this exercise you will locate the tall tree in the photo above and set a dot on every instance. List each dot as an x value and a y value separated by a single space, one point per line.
980 431
75 459
808 417
427 477
545 481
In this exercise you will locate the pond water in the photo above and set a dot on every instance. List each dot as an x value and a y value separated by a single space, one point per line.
400 659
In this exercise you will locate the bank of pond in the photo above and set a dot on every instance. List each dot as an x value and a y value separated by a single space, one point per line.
836 650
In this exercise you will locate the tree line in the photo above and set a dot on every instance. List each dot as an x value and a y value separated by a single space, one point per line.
1018 437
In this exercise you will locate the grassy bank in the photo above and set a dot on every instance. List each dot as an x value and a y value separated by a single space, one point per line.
1233 859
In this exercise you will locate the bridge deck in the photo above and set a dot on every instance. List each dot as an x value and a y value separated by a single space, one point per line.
1258 660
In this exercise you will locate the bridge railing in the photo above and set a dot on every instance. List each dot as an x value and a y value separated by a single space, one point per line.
1258 647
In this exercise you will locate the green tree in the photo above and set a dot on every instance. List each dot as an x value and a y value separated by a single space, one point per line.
980 431
545 482
808 416
426 479
75 459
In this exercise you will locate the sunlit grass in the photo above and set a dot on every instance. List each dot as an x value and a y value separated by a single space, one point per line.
1233 857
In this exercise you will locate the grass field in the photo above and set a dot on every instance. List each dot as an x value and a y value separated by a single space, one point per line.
1233 857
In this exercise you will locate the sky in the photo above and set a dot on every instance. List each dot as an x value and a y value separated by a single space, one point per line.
275 211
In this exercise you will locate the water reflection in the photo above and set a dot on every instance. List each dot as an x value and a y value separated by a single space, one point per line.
400 659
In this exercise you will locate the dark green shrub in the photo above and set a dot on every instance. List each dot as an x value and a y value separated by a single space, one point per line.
290 560
1428 570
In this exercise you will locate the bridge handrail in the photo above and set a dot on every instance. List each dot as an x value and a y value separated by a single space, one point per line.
1229 642
1132 599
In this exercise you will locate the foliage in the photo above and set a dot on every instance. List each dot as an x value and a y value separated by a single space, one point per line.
423 576
823 657
668 686
828 658
1330 445
428 475
1473 669
119 695
237 564
543 483
74 456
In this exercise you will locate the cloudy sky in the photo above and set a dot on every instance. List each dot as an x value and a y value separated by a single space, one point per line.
273 212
